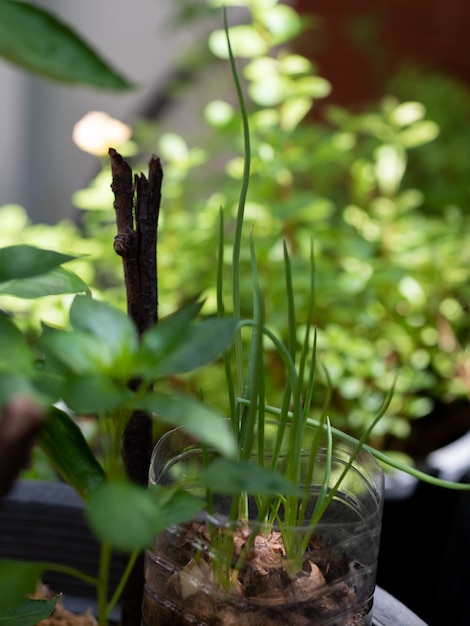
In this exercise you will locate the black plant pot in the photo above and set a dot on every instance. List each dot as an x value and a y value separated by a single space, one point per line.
425 542
44 522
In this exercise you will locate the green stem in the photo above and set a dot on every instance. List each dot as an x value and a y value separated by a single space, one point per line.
241 204
306 349
221 313
122 582
380 456
103 579
70 571
254 380
282 350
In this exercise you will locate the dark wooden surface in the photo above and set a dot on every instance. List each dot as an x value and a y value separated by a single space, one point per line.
45 521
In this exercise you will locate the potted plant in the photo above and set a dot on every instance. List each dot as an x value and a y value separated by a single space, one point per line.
246 560
390 240
302 472
91 367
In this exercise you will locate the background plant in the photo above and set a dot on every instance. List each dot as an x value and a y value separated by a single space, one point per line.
391 248
392 270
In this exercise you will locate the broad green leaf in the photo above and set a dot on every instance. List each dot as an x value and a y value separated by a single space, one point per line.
78 351
39 42
204 423
63 442
235 476
112 328
17 580
12 384
129 516
24 261
162 339
49 383
104 340
29 612
94 394
14 351
199 344
58 280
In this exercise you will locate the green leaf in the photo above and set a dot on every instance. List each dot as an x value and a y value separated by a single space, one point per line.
58 280
39 42
29 612
24 261
199 344
103 341
419 133
129 516
173 147
12 385
390 167
162 339
81 353
406 113
293 111
15 354
283 22
246 42
17 580
63 442
111 327
236 476
206 342
196 418
95 394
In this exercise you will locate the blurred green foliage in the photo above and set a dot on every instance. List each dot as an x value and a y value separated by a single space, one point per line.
383 194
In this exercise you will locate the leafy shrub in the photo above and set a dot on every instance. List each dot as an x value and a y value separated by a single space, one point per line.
392 254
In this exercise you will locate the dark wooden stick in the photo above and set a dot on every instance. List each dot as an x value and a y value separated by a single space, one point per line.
148 197
136 243
136 239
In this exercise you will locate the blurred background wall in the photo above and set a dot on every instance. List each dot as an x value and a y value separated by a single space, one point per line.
40 165
361 42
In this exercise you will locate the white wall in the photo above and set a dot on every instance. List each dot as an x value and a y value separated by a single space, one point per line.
40 165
